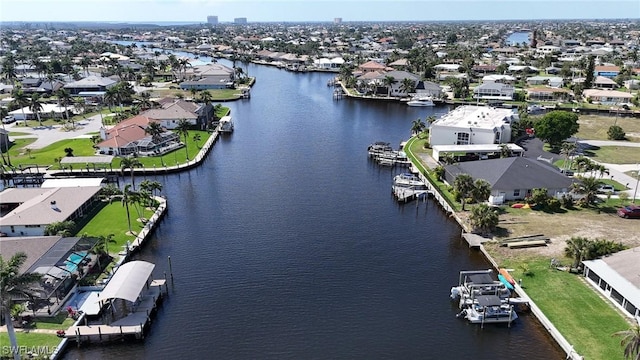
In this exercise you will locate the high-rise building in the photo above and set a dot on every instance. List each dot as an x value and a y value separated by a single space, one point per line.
337 20
240 21
212 20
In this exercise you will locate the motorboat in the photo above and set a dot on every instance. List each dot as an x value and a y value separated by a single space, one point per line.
489 309
421 101
379 147
408 180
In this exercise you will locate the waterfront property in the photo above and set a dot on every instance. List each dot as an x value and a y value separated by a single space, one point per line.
468 125
27 211
512 178
616 277
130 137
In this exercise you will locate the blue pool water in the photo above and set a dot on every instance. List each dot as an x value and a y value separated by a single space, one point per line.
73 261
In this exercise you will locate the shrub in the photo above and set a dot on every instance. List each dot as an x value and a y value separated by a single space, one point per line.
567 201
554 205
615 132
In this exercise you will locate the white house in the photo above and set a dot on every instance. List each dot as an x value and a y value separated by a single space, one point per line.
494 91
468 125
607 97
30 210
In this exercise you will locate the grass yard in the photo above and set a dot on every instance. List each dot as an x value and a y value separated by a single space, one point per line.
48 154
61 321
178 156
585 319
595 127
112 219
18 133
617 154
44 344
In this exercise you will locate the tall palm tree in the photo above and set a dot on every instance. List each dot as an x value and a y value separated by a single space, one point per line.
417 127
12 285
127 198
183 130
64 97
388 81
408 85
481 190
130 163
631 342
463 186
111 96
567 149
155 130
35 105
206 98
21 100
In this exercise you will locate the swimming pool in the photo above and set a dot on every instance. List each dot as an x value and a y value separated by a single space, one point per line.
73 260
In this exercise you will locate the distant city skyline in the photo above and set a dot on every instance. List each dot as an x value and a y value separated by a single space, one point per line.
196 11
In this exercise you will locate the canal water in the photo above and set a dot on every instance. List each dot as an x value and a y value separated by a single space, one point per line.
519 37
287 244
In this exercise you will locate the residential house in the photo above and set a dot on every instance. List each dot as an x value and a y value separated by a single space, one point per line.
396 87
616 278
552 81
130 138
173 110
328 64
601 82
468 125
548 94
606 71
497 78
494 91
211 76
90 84
607 97
428 88
372 66
27 211
512 178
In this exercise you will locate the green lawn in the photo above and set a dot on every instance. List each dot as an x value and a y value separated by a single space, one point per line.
48 154
18 133
178 156
62 321
112 219
617 154
577 311
43 343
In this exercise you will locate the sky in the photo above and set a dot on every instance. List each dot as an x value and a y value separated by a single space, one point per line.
196 11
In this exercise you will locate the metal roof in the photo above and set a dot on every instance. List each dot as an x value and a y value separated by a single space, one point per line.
623 286
71 182
488 300
128 281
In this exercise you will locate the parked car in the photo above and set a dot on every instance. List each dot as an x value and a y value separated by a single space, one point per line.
606 189
8 119
629 212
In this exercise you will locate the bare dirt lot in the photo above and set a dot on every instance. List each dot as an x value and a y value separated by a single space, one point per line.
561 227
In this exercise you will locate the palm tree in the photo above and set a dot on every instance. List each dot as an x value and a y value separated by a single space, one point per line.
111 96
417 127
505 151
102 247
631 342
483 218
481 190
408 85
64 97
12 285
183 130
576 249
127 198
463 186
36 106
145 100
206 98
155 130
587 186
567 149
21 100
388 81
130 163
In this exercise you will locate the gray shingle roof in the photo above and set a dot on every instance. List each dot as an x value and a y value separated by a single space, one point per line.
512 173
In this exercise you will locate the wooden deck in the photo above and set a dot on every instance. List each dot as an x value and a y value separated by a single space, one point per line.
474 240
132 324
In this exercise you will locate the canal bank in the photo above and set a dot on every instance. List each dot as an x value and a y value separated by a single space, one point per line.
427 163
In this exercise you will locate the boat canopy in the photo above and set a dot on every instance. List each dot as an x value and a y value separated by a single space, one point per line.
489 300
480 279
128 281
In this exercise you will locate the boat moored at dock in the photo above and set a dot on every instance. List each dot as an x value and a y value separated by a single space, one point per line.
421 101
226 125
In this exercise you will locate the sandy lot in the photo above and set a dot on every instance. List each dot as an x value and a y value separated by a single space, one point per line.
561 227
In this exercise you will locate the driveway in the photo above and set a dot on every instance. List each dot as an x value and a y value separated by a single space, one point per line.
533 148
47 135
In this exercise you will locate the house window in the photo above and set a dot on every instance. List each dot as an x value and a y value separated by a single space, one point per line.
516 192
497 138
463 139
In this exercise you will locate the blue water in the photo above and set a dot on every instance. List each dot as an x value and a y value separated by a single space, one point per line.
286 243
519 38
73 260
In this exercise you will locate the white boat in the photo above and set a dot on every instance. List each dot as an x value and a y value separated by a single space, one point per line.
379 147
226 124
421 101
408 180
489 309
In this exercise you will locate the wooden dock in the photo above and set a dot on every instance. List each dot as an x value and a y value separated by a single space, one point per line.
405 194
133 324
474 240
